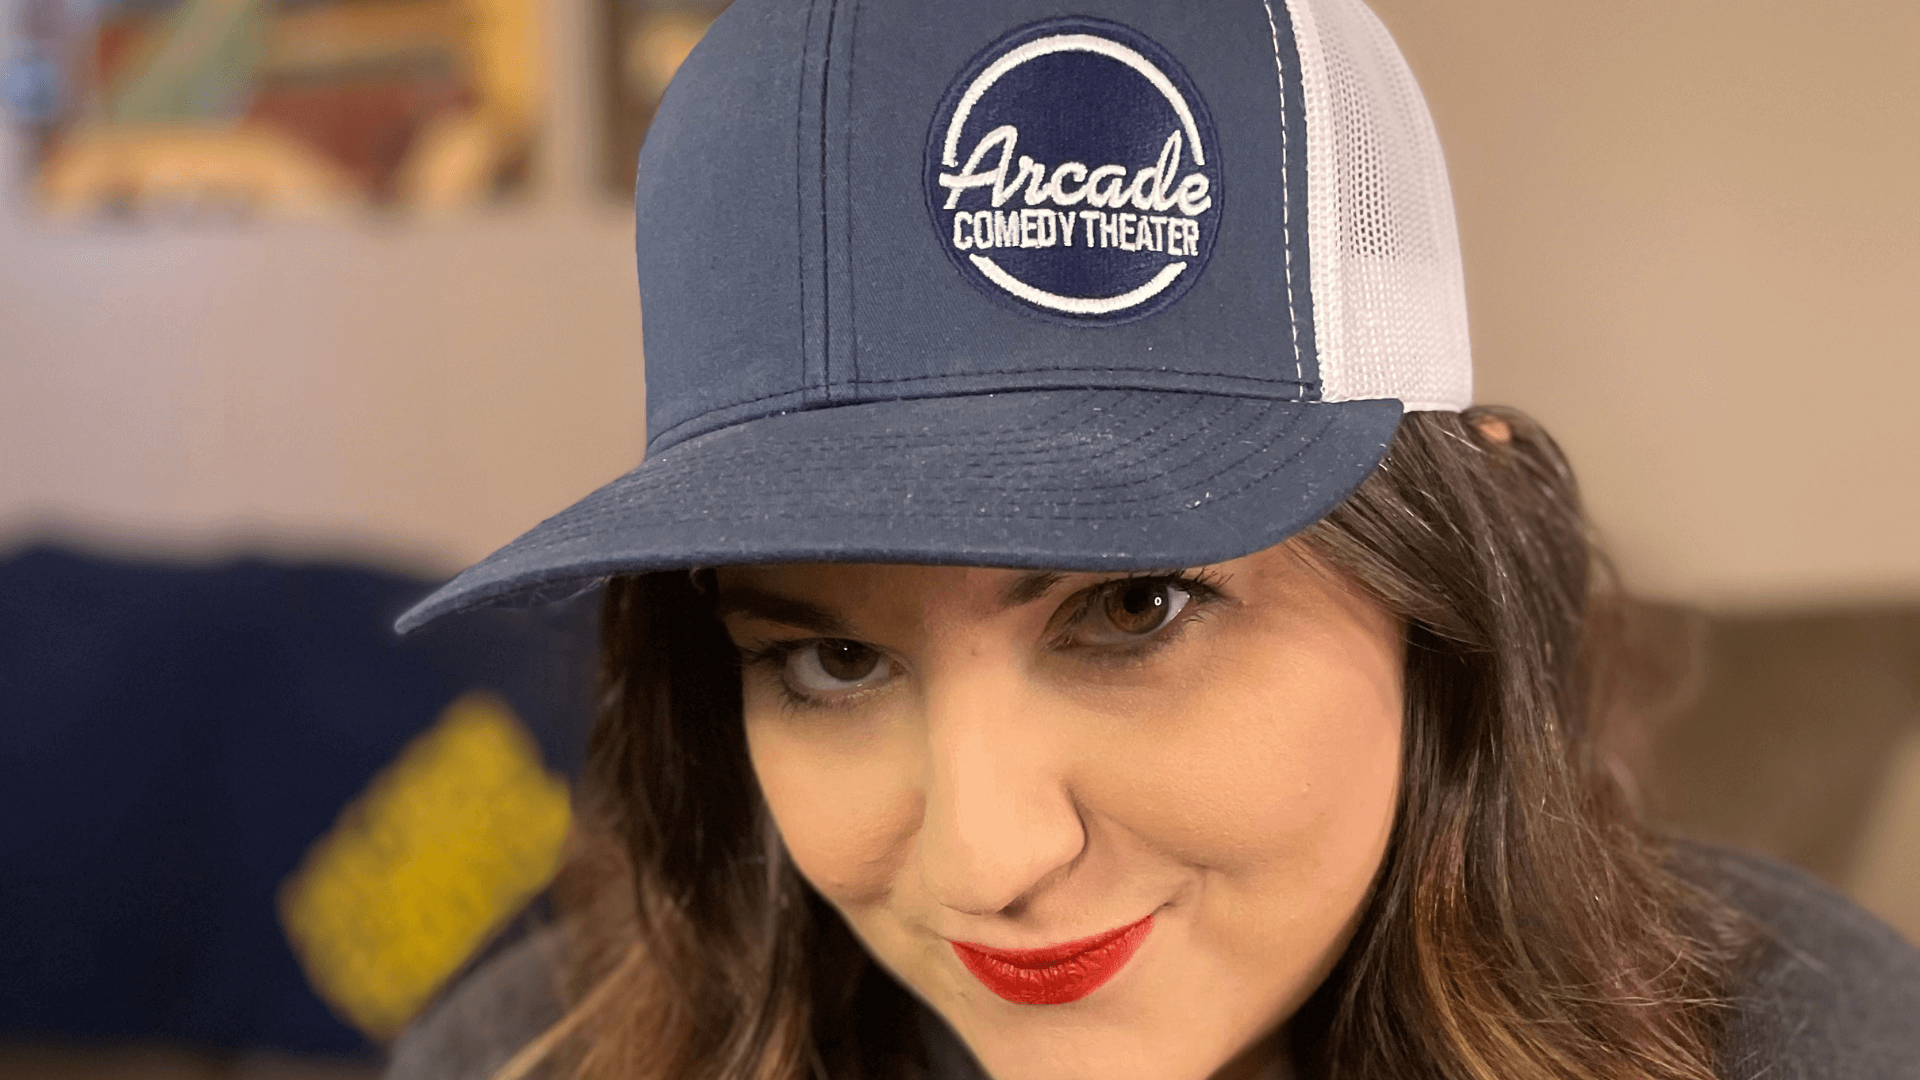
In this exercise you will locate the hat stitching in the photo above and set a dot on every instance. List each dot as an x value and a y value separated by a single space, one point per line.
1102 370
800 203
660 492
1286 220
662 484
1051 448
878 438
625 564
846 166
826 254
798 395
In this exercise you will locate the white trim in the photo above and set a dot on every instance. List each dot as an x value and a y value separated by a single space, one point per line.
950 155
1078 305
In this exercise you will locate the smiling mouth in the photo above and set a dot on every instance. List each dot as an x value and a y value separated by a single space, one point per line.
1056 974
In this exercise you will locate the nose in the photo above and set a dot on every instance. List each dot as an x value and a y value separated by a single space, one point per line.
998 818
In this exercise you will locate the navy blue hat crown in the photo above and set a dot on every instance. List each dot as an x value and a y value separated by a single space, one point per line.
1131 284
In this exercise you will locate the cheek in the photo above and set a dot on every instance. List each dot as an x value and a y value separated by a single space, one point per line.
1285 769
844 797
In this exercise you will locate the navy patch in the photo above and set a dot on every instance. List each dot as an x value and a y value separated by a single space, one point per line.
1072 168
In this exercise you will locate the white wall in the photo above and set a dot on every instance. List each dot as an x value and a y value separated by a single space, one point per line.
1691 250
417 391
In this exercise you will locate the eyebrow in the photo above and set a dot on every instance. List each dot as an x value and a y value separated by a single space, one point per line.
799 614
1029 587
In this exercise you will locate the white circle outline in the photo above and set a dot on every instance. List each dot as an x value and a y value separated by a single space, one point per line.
1079 305
1046 46
1056 43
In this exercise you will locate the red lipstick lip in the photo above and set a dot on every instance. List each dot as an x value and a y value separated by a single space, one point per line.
1054 974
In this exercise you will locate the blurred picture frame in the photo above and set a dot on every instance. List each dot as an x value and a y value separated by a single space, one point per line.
139 107
644 42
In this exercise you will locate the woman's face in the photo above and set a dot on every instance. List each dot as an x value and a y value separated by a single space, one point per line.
1198 771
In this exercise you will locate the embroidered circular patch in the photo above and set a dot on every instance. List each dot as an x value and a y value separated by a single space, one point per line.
1072 168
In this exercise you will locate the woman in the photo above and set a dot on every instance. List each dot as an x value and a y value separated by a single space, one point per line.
1070 623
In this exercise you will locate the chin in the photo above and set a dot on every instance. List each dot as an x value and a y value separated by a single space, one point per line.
1121 1032
1073 1052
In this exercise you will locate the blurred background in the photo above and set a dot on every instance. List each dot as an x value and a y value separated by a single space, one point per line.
305 304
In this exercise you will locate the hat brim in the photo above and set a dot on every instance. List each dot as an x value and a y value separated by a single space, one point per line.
1043 479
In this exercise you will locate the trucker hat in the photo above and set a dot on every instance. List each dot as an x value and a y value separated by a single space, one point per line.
1116 284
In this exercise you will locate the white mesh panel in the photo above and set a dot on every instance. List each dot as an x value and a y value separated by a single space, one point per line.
1389 303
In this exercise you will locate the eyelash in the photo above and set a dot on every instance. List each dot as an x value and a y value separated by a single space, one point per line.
1201 586
1203 589
771 661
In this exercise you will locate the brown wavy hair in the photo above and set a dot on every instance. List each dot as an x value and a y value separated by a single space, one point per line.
1523 926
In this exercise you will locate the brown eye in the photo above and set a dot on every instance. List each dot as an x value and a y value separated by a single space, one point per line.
848 661
1139 607
820 668
1127 611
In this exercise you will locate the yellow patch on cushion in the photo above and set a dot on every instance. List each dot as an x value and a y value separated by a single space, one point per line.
443 846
